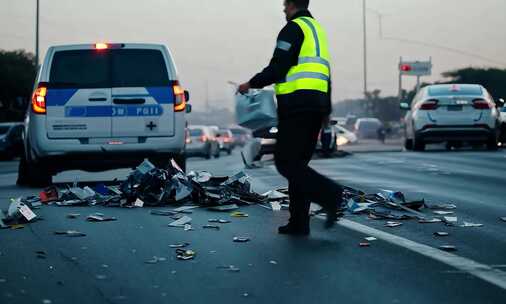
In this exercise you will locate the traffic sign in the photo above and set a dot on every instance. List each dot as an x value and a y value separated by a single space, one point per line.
416 68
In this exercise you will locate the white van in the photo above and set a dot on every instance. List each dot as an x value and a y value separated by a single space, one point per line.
103 106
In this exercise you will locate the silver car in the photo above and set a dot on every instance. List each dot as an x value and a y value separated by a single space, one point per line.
202 142
452 113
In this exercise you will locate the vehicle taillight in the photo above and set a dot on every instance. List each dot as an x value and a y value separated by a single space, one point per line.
188 140
180 99
101 46
39 99
431 104
481 104
203 138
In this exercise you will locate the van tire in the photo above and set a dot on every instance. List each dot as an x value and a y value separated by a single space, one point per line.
32 174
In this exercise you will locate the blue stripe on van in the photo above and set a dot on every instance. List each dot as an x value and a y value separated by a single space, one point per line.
162 95
59 97
113 111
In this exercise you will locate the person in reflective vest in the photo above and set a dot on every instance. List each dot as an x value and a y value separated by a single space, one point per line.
300 72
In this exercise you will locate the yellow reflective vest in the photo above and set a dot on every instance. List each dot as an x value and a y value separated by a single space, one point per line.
313 69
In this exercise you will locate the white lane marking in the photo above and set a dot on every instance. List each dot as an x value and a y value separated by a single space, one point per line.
482 271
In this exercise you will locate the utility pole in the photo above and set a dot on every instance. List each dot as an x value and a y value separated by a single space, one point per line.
364 8
37 35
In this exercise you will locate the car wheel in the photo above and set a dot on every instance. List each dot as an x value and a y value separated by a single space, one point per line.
408 144
418 144
492 144
32 174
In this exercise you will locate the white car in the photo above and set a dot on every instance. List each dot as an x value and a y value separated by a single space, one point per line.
103 106
453 113
344 136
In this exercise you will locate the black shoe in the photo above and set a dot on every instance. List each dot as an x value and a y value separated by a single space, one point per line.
332 211
292 229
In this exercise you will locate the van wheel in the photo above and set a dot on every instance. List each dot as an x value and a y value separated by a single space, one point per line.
418 144
408 144
33 175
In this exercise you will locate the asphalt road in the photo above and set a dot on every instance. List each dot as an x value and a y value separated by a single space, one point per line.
108 265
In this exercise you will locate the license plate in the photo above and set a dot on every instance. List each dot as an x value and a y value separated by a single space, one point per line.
455 108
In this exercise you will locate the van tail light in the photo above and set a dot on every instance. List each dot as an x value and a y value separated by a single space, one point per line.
39 99
481 104
203 138
428 105
180 99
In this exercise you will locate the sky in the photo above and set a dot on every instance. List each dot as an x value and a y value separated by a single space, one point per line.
215 41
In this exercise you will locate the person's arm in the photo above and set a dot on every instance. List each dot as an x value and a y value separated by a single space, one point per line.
285 56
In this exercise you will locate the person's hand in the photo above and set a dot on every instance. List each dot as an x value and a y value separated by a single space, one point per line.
244 88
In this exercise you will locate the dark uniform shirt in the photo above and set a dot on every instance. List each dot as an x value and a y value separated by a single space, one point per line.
286 55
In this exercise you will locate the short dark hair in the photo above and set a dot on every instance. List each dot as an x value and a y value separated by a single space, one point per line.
300 3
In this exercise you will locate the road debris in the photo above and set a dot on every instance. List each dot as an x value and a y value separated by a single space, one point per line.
181 222
182 254
163 212
73 215
70 233
241 239
392 224
50 194
41 254
503 219
438 212
180 245
431 221
155 260
448 248
239 214
219 221
441 233
364 244
467 224
273 262
215 227
370 239
230 268
98 217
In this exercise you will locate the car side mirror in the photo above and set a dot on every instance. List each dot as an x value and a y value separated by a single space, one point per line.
186 95
405 106
188 108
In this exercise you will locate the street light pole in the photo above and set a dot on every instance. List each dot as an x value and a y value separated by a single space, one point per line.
364 8
37 35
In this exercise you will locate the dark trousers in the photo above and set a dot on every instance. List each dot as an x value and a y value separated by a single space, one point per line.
296 141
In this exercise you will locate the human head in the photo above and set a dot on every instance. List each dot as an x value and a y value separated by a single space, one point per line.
293 6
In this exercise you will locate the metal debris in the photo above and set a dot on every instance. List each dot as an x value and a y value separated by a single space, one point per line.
181 222
438 212
392 224
431 221
364 244
467 224
448 248
441 233
100 218
371 238
73 215
239 214
163 212
219 221
70 233
211 227
185 255
241 239
180 245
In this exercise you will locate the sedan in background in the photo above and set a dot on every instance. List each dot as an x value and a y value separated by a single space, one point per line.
452 113
367 128
11 140
225 140
202 142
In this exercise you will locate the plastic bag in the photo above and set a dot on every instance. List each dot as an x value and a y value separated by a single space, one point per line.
256 110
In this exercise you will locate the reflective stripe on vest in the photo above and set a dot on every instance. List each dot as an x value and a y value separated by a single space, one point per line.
312 71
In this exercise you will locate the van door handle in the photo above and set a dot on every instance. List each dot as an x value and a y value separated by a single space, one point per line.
97 99
129 101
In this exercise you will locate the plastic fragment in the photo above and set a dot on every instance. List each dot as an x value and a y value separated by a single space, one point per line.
49 195
211 227
438 212
450 219
163 212
181 222
241 239
70 233
365 244
431 221
273 262
185 255
371 238
441 233
219 221
73 215
503 219
392 224
448 248
239 214
467 224
180 245
100 218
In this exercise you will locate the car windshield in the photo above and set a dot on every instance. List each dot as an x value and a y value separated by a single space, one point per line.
196 132
369 125
4 130
113 68
238 131
455 90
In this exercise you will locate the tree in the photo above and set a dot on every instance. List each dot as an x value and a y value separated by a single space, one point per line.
18 71
494 80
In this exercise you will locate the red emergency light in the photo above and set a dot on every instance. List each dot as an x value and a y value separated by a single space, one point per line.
405 67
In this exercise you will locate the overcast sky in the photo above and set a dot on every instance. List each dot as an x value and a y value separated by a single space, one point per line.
214 41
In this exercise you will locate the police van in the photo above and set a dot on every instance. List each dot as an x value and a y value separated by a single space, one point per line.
103 106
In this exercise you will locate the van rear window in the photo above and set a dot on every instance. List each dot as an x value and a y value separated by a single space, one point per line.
109 68
80 69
